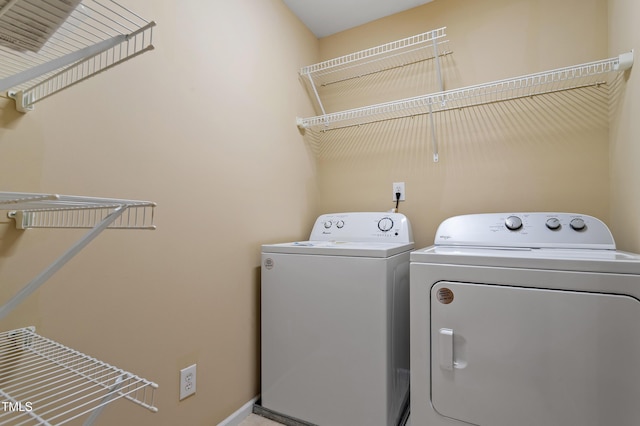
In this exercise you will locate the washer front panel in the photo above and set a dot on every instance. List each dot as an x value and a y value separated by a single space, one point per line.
335 343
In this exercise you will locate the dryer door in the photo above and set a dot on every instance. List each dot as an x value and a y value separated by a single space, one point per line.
505 356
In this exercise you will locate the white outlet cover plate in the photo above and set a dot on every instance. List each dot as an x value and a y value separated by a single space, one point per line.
400 186
187 381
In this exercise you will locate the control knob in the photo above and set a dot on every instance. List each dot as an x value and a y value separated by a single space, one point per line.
513 223
340 224
385 224
327 224
553 223
577 224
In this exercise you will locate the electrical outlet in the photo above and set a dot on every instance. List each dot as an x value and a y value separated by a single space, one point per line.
398 187
187 381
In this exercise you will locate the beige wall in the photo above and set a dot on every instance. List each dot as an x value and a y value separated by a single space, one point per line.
544 153
205 126
624 35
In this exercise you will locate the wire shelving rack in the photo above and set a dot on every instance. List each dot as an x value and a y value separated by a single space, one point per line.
58 383
406 51
567 78
47 383
46 47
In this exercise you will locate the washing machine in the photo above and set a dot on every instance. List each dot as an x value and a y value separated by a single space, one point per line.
335 320
525 319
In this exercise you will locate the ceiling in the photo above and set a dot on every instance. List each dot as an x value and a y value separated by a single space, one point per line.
326 17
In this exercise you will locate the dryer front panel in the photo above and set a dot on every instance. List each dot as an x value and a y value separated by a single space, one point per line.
508 355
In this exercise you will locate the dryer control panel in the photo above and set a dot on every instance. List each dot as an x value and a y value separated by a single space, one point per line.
526 230
362 227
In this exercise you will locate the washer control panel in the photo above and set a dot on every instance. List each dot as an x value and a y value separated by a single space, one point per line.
526 230
362 227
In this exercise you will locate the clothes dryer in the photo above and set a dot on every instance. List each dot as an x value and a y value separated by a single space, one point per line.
335 320
525 319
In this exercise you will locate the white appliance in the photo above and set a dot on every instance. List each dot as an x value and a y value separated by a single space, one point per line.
527 319
335 320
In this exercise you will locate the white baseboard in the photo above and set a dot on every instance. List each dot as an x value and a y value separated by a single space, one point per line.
242 413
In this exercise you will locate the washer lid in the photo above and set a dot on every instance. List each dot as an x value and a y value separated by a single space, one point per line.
339 248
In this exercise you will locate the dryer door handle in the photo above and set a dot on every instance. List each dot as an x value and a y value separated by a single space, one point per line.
446 348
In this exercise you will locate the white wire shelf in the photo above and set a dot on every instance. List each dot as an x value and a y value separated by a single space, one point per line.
48 46
43 382
410 50
31 210
34 210
376 59
584 75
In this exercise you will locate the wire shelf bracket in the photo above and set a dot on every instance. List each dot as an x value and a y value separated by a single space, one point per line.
568 78
46 47
30 210
46 383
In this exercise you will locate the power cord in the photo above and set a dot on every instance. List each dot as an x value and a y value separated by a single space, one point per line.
397 200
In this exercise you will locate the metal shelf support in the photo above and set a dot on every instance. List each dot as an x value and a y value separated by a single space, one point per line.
34 284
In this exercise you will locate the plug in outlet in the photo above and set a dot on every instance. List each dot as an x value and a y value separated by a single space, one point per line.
187 381
398 187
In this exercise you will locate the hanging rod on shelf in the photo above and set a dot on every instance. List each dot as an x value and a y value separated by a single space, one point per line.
33 210
48 46
573 77
47 383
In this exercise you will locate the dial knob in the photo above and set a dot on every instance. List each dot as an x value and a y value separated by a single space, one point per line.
577 224
553 223
340 223
513 223
327 224
385 224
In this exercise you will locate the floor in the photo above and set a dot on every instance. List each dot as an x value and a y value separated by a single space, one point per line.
255 420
